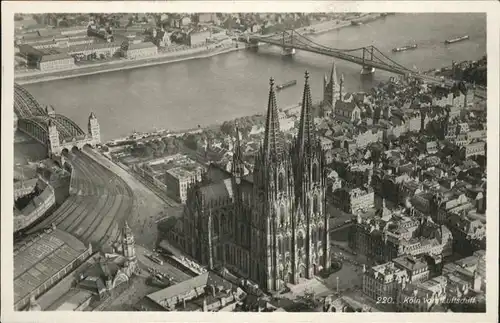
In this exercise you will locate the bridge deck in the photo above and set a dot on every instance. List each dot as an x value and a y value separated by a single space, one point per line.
336 54
34 120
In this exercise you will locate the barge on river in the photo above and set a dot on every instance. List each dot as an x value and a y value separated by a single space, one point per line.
404 48
287 84
456 40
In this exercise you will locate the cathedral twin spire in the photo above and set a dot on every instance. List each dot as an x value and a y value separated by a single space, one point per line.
238 166
273 138
306 136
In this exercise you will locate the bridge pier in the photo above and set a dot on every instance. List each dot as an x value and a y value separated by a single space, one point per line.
251 43
367 70
288 52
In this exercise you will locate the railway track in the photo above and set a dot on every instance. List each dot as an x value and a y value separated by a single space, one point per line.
99 204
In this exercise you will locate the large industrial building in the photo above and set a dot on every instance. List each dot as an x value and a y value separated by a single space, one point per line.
42 261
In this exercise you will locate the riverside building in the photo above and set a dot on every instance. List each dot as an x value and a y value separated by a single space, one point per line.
55 62
140 50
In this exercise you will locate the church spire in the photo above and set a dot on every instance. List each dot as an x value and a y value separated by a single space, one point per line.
238 165
341 89
237 144
333 74
126 229
273 144
306 126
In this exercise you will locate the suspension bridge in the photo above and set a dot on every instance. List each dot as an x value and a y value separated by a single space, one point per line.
368 57
55 131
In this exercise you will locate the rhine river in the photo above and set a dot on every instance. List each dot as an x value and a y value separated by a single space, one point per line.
183 95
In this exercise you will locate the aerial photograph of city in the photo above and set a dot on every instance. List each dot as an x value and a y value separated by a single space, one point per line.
250 162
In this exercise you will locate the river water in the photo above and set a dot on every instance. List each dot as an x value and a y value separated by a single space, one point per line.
205 91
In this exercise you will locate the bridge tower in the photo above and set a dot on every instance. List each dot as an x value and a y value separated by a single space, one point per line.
287 49
367 69
54 143
93 128
50 110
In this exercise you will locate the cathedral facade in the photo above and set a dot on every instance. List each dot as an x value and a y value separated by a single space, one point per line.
270 226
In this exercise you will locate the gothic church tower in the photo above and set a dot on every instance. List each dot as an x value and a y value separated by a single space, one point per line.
289 221
310 190
331 90
272 215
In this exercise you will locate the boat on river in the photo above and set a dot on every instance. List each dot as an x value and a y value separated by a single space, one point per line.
456 40
404 48
287 84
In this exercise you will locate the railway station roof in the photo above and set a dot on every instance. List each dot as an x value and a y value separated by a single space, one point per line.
37 259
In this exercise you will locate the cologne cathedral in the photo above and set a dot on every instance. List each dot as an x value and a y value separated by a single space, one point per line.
269 226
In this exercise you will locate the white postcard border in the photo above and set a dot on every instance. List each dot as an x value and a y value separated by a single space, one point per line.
492 8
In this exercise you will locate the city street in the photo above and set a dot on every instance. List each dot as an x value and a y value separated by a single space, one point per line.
337 217
166 268
139 287
349 278
137 290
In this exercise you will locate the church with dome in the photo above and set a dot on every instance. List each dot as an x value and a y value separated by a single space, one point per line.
270 225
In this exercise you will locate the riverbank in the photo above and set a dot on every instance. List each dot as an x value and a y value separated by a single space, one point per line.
173 57
122 65
336 24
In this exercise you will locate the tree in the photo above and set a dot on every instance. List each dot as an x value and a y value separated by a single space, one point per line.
227 128
178 143
210 134
160 148
195 18
171 147
141 151
245 132
64 23
130 22
151 144
148 151
192 141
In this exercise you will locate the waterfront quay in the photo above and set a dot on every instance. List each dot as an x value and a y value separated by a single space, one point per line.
45 53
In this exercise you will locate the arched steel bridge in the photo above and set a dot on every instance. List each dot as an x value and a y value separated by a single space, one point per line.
34 119
56 131
367 57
